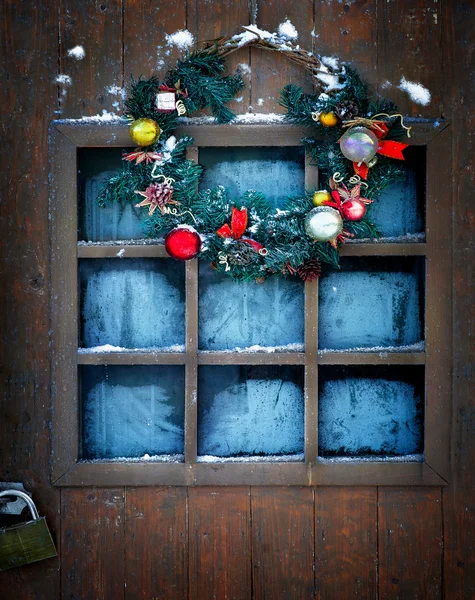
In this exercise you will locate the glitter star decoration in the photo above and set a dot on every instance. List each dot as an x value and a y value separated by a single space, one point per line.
141 156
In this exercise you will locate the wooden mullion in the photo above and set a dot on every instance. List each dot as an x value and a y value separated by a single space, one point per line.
251 358
377 249
191 362
114 250
371 358
131 358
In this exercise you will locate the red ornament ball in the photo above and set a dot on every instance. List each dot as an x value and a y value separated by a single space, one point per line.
183 243
353 209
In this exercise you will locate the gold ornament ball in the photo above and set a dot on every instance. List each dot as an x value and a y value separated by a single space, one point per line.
144 132
320 197
328 119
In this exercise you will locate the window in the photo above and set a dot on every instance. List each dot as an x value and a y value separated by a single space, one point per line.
318 405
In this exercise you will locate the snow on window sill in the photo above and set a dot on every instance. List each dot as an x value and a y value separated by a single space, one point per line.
107 348
406 458
382 350
207 458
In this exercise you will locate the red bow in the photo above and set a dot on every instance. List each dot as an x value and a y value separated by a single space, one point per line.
388 148
238 227
166 88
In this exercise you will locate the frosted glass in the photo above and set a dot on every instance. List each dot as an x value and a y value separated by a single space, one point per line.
131 411
278 173
248 411
116 221
371 303
132 303
370 413
241 315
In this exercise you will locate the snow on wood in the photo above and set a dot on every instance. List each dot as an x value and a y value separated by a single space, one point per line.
287 30
77 52
417 92
182 39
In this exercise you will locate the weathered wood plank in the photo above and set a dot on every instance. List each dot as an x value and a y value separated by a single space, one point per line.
97 27
156 543
410 543
348 31
282 542
219 521
145 46
28 47
272 71
409 46
92 534
346 542
459 497
228 16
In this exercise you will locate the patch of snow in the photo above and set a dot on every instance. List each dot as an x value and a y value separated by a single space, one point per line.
417 92
108 349
386 85
64 79
141 242
287 30
77 52
116 90
407 238
330 81
182 39
331 61
294 347
355 459
249 118
260 101
170 144
313 34
238 99
207 458
106 117
168 458
383 350
121 253
244 68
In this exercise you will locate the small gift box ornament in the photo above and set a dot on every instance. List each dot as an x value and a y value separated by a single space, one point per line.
25 542
165 101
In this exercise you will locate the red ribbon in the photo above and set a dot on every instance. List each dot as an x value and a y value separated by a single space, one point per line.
237 229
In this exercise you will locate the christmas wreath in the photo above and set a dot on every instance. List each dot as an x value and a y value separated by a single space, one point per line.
245 237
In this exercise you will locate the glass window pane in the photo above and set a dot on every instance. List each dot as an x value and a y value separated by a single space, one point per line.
370 411
372 303
250 411
399 210
133 303
130 411
116 221
245 315
278 173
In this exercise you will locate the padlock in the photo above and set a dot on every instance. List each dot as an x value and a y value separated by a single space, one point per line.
27 542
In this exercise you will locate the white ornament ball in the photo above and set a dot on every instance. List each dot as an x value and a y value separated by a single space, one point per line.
359 144
323 223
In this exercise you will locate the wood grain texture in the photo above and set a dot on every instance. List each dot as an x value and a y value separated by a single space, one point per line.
145 45
97 27
219 547
348 30
282 543
228 16
459 497
346 542
28 46
410 543
156 543
93 541
410 46
270 70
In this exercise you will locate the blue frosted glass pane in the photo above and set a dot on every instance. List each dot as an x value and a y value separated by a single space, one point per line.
114 222
278 173
249 411
131 411
371 303
241 315
376 411
399 210
132 303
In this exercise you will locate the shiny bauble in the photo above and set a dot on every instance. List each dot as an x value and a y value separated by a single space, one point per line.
328 119
353 209
323 223
372 162
359 144
320 197
183 243
144 132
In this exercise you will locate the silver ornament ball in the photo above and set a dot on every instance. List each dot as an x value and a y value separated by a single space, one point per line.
359 144
323 223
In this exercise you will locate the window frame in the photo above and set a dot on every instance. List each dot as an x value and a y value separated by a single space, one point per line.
66 137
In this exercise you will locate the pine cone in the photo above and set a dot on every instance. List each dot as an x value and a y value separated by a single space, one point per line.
347 110
240 253
160 194
310 270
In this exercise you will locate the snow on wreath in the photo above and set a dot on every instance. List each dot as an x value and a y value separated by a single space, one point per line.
246 238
